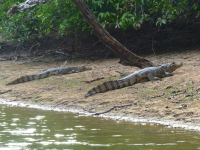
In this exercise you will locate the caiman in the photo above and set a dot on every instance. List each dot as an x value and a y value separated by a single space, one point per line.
143 75
50 72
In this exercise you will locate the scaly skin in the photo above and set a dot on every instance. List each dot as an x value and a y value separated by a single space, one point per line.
146 74
48 73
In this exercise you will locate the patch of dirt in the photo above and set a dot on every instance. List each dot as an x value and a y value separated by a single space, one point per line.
175 98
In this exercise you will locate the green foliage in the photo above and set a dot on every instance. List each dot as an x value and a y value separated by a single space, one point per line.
63 16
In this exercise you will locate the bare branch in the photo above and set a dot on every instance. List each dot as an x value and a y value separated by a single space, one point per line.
131 104
26 5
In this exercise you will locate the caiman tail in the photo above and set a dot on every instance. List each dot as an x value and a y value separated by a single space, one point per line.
27 78
109 85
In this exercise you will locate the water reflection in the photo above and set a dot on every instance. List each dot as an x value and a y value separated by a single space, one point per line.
26 128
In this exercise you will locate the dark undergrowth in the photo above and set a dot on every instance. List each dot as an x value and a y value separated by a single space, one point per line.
145 41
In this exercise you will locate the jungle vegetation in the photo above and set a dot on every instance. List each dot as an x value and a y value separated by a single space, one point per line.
64 17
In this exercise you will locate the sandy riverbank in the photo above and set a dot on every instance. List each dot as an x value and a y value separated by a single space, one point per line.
173 101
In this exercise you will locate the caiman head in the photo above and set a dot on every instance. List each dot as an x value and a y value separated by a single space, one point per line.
84 68
172 66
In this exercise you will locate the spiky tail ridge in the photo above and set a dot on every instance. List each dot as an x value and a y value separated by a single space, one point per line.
109 85
27 78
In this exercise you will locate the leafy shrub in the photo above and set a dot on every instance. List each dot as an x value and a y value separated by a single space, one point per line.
63 16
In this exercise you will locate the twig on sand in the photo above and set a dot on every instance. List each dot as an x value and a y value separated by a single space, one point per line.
131 104
90 81
5 91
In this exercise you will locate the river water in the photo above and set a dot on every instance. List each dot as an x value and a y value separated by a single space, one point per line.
30 128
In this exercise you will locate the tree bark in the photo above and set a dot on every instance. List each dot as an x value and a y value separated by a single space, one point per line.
126 56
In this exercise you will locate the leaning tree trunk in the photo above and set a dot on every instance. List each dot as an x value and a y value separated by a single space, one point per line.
126 56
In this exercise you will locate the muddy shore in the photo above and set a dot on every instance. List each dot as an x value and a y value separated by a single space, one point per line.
174 101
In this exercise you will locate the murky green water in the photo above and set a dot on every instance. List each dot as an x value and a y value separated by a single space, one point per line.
27 128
